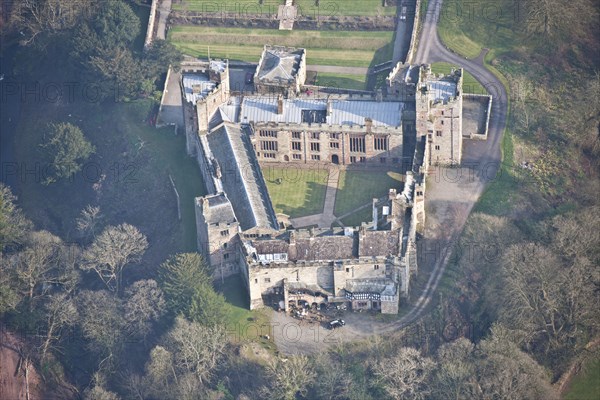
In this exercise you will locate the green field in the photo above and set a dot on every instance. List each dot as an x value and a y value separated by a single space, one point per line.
308 8
345 48
356 188
470 84
343 81
467 35
332 8
296 192
586 385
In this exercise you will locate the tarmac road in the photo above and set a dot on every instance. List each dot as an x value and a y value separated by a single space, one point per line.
451 196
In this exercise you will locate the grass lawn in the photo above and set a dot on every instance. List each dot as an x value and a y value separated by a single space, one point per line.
127 177
345 48
243 324
470 84
347 7
358 218
342 81
586 385
356 188
301 191
326 8
468 34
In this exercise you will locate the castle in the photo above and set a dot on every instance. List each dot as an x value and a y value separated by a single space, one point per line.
417 123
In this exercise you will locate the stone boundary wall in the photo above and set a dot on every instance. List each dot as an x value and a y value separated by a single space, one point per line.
333 91
268 21
159 124
415 31
151 23
481 98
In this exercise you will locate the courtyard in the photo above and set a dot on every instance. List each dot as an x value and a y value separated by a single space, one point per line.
323 196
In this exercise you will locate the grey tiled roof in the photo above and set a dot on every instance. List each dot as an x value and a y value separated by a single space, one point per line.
344 112
279 64
385 287
220 211
242 178
379 243
319 248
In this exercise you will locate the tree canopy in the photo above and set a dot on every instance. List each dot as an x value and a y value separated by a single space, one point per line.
67 148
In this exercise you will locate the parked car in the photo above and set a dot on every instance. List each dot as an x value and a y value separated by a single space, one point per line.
336 323
249 77
403 13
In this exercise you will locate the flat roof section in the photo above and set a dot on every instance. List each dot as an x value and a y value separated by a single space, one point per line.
441 90
197 87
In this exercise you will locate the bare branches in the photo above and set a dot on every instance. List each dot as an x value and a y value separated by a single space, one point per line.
111 251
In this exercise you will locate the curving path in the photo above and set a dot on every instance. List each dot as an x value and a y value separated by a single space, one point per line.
449 201
481 161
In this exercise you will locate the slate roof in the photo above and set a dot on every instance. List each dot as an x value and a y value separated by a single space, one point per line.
385 287
279 64
318 248
220 211
379 243
241 176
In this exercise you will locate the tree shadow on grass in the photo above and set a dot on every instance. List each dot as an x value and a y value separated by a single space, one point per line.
313 203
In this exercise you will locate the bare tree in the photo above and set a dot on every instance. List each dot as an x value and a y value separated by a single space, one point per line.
144 305
13 224
289 378
98 390
44 264
506 372
554 17
334 382
455 374
112 251
101 323
60 313
196 348
89 221
34 17
160 373
552 301
405 375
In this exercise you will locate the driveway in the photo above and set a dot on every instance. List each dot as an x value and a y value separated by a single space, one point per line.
451 195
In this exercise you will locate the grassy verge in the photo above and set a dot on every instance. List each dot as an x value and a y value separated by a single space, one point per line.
470 84
328 8
242 323
468 34
334 8
343 48
296 192
356 188
585 386
343 81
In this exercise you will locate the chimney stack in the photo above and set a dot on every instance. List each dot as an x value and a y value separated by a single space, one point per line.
368 124
329 107
375 216
280 104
